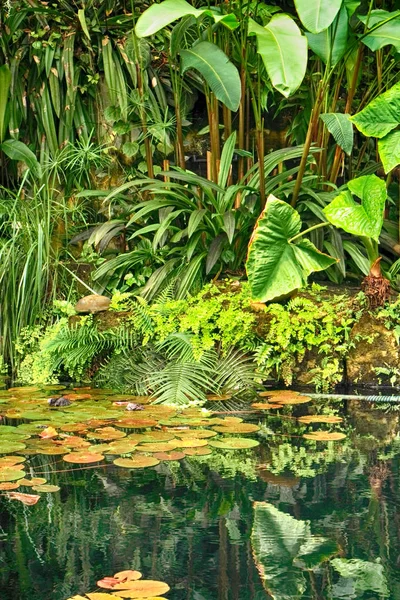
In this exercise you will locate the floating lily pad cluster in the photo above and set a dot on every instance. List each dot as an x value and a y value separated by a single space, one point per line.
96 427
278 399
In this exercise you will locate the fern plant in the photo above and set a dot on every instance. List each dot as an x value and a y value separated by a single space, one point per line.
172 374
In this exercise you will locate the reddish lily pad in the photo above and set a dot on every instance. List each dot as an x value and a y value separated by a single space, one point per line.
83 457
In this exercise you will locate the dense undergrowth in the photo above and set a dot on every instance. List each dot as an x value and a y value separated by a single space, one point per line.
217 341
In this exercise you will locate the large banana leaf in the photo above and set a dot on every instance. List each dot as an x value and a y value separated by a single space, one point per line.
283 50
317 15
276 266
331 44
282 548
387 34
220 74
389 150
365 219
5 82
341 128
158 16
381 115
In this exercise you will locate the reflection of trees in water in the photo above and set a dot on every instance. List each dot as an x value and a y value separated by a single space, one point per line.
190 526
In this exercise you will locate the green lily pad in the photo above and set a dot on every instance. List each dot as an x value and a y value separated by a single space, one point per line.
234 443
47 488
7 447
11 474
136 462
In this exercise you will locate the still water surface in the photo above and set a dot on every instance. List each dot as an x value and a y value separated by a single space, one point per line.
283 521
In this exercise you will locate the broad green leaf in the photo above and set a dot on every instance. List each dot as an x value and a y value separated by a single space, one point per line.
17 150
363 219
275 266
282 547
220 74
389 150
283 50
340 126
381 115
317 15
384 35
331 44
158 16
367 576
361 261
5 82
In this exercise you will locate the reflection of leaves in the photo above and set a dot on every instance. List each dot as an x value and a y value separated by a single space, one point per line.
278 540
367 576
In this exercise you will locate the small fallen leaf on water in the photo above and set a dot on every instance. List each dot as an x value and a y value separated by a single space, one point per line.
108 583
28 499
48 433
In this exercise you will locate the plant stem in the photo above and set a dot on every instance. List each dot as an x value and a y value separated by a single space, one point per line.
307 144
299 235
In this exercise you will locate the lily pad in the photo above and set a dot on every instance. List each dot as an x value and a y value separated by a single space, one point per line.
136 462
7 447
33 481
297 399
122 447
320 419
143 589
238 428
235 443
169 455
136 423
5 486
152 436
265 405
325 436
198 434
46 488
11 474
83 457
191 443
158 446
204 451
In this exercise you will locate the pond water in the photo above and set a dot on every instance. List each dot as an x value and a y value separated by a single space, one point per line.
291 518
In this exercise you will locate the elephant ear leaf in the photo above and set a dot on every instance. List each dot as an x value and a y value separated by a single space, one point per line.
381 115
363 219
220 74
275 265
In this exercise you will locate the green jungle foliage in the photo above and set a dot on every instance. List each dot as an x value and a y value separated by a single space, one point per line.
141 142
179 351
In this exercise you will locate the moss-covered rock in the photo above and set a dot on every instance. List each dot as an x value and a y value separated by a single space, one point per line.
373 346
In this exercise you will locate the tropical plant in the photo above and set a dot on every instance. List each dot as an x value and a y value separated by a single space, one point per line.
279 261
188 227
364 220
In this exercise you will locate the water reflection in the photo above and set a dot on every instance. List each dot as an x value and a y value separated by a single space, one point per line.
196 526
